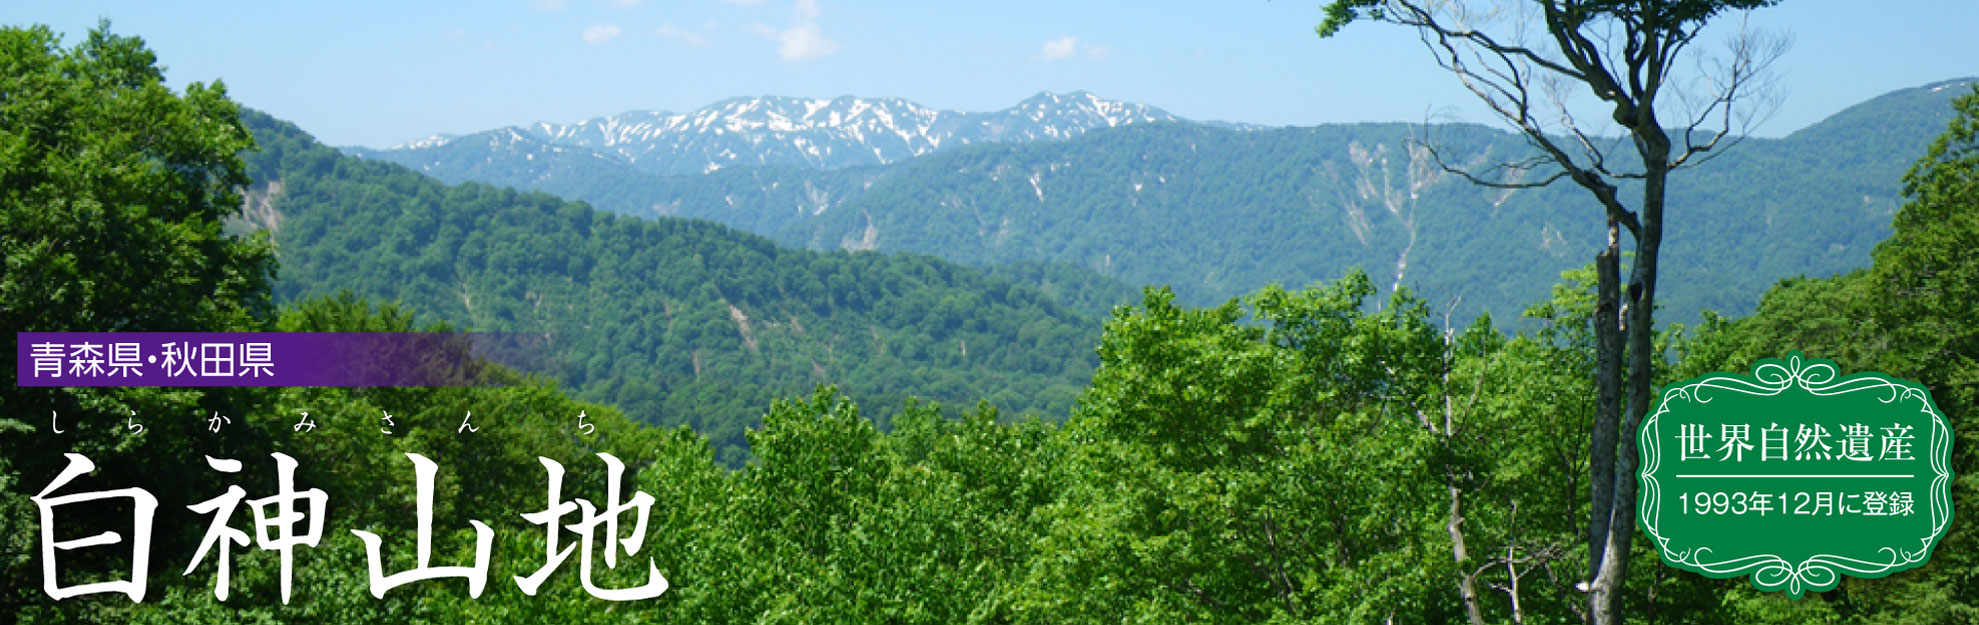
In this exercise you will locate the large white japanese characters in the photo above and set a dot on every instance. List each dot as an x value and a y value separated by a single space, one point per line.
277 519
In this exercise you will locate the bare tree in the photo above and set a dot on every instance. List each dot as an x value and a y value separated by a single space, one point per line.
1626 54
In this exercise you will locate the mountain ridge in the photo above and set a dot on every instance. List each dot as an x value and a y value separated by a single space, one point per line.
818 133
1218 213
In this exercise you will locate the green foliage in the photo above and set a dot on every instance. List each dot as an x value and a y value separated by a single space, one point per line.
1295 458
113 188
1923 274
1078 288
1910 316
111 193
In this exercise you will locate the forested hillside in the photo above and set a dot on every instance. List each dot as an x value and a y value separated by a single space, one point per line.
676 321
1216 212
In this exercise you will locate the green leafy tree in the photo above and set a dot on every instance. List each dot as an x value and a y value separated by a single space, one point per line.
114 188
1910 315
1924 272
1296 458
112 193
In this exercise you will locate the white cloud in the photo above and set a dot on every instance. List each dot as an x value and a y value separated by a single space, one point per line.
627 4
549 5
601 33
690 38
747 3
1069 47
1058 49
802 39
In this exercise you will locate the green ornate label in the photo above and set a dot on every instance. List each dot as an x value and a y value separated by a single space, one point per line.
1795 475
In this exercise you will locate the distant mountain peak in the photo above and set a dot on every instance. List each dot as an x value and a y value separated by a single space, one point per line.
1111 113
1924 108
1947 84
429 141
813 133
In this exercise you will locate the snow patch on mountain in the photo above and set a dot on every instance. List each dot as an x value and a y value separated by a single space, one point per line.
812 133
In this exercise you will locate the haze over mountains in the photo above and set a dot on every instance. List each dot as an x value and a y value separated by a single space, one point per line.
1215 210
681 322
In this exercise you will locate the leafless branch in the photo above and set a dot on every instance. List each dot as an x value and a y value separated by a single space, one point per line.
1513 170
1742 78
1420 17
1505 86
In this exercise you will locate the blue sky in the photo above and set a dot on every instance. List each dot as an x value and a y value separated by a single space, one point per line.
376 73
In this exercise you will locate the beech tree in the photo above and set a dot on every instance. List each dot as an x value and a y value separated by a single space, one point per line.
1526 61
113 189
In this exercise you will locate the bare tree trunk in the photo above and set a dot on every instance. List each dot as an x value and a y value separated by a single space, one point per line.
1605 595
1512 572
1607 404
1622 52
1608 352
1466 584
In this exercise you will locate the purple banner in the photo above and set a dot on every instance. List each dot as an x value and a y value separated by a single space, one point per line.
253 358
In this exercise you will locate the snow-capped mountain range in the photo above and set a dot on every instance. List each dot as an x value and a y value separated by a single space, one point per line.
807 133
